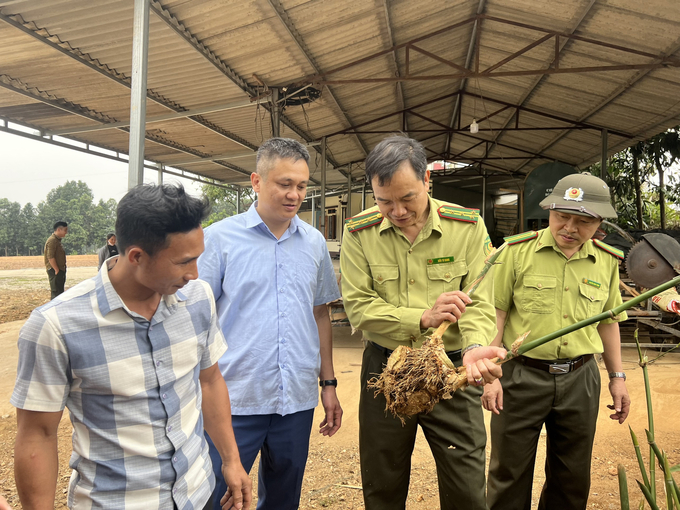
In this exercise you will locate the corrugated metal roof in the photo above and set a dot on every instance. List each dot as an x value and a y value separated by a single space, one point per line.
66 65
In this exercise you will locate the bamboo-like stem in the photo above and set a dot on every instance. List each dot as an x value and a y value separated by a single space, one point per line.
648 496
488 264
609 314
650 418
623 488
638 454
671 493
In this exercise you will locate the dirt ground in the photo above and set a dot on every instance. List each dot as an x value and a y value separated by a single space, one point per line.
332 478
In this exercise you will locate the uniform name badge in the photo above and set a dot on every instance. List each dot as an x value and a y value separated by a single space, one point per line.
441 260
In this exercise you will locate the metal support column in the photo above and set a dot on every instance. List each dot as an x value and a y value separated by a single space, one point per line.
276 113
349 191
313 213
603 160
238 199
483 211
160 173
322 197
363 196
140 59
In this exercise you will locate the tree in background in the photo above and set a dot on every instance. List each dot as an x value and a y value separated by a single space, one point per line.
223 201
24 231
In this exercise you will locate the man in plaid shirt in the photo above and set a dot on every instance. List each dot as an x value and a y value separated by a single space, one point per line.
134 358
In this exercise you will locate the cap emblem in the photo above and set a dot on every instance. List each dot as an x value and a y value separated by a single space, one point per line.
575 194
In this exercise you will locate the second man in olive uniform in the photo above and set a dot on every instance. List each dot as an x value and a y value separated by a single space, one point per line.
404 264
548 280
55 259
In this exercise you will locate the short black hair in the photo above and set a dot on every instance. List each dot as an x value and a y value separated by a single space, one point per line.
384 160
110 235
59 224
148 213
278 148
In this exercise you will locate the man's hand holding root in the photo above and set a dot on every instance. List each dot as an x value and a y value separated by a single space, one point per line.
448 307
480 369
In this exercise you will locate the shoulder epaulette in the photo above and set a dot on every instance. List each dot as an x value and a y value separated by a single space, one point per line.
609 249
520 238
459 213
363 221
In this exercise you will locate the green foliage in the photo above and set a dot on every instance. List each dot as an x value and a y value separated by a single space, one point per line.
223 201
24 231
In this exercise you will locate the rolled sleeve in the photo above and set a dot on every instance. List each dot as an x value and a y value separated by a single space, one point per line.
216 344
43 372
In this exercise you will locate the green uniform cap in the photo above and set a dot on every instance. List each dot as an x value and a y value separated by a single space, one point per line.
582 194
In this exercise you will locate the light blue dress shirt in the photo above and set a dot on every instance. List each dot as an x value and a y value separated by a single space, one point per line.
265 289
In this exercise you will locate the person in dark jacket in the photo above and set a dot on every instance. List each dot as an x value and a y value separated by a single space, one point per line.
108 250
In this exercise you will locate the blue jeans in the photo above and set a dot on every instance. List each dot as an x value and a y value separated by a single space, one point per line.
283 442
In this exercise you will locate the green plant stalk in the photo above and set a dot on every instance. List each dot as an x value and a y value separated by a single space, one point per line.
638 454
648 496
671 492
608 314
675 486
623 488
650 418
488 264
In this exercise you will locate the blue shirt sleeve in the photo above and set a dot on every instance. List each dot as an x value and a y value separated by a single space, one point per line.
327 288
211 263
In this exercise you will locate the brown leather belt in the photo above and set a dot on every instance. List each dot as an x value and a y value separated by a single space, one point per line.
453 355
557 366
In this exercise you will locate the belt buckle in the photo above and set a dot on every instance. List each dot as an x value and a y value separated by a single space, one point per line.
559 368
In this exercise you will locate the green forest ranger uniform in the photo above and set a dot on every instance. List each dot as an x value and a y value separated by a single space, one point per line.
542 291
387 284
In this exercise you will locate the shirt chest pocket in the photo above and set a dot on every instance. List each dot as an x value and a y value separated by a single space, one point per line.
591 301
538 294
386 282
444 278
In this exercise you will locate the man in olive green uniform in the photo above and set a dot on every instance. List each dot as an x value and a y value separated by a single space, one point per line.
55 259
404 263
548 280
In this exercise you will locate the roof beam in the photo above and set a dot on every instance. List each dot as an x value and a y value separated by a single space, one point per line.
611 97
455 114
19 87
65 48
283 17
401 99
555 61
171 21
155 118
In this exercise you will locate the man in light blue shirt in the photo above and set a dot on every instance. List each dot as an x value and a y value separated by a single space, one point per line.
272 277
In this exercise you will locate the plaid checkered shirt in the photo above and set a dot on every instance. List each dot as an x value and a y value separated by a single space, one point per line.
132 388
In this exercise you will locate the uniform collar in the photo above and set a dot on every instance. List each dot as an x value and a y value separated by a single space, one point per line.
546 240
433 221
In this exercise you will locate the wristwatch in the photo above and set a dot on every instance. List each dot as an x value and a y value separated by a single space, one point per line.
620 375
328 382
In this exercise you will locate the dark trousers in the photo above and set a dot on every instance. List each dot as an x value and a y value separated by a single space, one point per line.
454 430
283 444
57 282
568 405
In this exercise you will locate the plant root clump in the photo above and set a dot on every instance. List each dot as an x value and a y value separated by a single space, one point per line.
414 380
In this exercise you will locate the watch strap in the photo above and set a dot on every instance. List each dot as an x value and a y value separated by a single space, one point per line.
328 382
620 375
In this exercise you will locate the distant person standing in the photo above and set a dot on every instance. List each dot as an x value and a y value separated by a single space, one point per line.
55 259
108 250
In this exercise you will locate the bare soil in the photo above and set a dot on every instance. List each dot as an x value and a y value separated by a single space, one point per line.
332 478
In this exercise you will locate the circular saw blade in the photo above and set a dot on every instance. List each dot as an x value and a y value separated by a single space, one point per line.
647 267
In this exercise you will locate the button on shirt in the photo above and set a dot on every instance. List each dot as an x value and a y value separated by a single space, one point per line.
542 291
387 282
132 389
265 289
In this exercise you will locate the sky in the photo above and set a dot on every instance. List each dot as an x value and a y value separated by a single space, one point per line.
29 169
